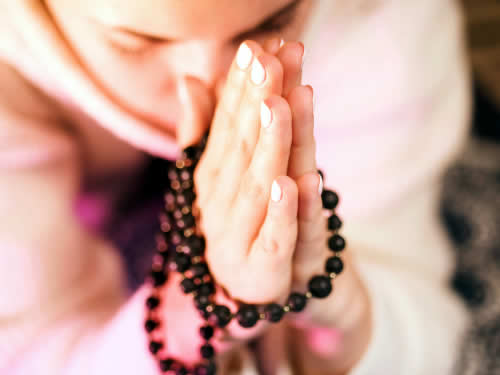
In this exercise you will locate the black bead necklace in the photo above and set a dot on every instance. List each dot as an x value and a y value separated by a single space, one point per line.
181 249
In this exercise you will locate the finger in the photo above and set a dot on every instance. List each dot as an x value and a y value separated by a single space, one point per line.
266 78
291 56
311 250
272 251
270 160
223 122
303 151
221 132
197 109
273 45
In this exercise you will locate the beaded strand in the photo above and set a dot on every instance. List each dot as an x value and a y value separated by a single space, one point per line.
180 249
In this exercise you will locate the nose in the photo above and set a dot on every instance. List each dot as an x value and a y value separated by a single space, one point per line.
208 61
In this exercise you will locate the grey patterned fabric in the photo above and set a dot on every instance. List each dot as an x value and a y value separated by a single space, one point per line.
471 211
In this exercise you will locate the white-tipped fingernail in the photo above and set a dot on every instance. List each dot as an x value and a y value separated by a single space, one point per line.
282 42
258 72
320 185
244 57
276 192
266 115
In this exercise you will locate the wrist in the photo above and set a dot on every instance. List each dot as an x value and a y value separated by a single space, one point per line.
335 333
334 349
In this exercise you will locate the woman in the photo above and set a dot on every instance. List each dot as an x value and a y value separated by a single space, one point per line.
92 88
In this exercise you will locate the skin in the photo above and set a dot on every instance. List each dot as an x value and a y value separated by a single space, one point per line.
182 75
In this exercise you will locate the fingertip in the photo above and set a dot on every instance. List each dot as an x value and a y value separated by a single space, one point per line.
273 44
198 103
284 190
279 107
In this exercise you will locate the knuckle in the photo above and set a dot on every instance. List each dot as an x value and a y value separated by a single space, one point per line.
252 190
244 146
270 245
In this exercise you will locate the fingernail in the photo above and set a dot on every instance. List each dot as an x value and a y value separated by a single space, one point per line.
258 72
276 192
312 95
320 185
266 116
303 58
244 57
282 42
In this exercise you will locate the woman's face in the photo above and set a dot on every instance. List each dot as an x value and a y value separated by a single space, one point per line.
138 50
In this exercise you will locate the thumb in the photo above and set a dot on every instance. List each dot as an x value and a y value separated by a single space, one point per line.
197 102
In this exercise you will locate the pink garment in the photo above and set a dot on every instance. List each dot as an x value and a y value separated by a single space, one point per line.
388 123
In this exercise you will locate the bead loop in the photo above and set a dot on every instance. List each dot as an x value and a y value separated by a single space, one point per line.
182 251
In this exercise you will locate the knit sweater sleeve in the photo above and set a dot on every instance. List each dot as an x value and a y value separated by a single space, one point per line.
418 321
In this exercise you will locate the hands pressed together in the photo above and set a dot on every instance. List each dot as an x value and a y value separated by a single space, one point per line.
257 183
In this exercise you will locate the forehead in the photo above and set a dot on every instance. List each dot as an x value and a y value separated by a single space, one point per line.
184 18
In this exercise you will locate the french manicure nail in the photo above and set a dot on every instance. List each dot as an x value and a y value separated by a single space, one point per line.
282 42
312 94
244 57
320 185
266 116
276 192
258 72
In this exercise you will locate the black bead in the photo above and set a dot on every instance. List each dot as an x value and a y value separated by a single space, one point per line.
334 223
221 316
167 364
189 197
297 302
336 243
208 369
207 332
200 269
155 346
188 285
247 316
320 286
206 289
182 262
152 303
188 220
274 312
150 325
330 199
159 278
196 245
334 265
201 301
190 152
207 351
